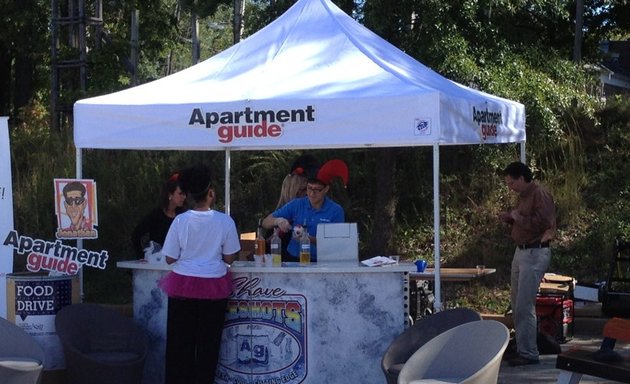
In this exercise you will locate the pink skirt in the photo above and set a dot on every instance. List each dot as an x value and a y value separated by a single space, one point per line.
190 287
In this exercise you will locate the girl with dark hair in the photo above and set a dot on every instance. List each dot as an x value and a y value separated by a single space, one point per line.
199 244
155 225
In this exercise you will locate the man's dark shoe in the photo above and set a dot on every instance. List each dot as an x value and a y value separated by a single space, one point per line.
509 355
520 360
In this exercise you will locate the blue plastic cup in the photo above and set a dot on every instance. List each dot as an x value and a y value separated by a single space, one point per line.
421 265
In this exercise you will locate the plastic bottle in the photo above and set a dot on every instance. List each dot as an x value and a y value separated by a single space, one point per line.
260 244
305 247
276 247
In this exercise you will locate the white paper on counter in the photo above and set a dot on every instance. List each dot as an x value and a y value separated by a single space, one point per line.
378 261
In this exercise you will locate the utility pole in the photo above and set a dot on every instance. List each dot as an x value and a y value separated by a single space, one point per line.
577 40
69 49
196 45
135 45
239 13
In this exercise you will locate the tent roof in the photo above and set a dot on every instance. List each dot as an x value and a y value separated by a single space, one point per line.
313 78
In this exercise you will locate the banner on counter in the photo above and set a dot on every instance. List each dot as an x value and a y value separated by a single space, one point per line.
264 335
6 211
76 209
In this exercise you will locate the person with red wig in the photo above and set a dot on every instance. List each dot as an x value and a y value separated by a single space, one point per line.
313 209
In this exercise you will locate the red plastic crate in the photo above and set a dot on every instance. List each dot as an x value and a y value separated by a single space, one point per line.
555 316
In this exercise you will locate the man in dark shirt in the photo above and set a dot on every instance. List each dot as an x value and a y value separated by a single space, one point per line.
533 225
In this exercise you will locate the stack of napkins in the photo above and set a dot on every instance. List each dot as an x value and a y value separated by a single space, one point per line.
377 261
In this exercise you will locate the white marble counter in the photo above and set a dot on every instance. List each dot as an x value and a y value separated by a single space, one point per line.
321 323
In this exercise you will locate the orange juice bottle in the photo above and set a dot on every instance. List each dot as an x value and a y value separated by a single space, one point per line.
276 247
260 244
305 248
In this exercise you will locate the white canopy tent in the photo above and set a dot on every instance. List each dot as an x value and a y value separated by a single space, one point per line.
313 78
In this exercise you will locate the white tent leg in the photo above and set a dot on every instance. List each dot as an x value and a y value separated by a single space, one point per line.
228 165
522 152
79 175
437 305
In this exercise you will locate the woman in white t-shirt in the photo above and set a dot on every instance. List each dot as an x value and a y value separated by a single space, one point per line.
199 243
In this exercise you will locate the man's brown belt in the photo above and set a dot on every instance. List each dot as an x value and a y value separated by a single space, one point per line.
534 245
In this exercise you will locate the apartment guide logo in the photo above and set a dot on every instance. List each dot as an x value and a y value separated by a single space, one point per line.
42 255
249 123
264 337
488 121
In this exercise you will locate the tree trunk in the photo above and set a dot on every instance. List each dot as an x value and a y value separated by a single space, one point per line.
24 73
386 201
5 83
239 14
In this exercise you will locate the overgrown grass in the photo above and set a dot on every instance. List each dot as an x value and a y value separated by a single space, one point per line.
482 295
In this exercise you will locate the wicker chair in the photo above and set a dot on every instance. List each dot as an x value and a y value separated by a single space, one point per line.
418 334
100 345
467 354
21 357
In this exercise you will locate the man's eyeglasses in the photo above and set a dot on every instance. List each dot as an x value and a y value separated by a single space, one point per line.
314 190
75 200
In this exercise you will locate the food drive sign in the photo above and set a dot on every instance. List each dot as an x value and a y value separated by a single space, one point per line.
264 337
41 297
34 302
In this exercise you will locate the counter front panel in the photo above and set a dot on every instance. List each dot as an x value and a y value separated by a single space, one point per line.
317 324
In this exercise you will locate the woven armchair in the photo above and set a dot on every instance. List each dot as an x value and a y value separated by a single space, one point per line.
100 345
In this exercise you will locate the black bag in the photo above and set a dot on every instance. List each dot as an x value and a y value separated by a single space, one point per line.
547 345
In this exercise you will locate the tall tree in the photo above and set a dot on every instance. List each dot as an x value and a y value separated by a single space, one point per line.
390 20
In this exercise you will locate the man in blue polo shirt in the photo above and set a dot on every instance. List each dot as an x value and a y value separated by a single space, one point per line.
311 210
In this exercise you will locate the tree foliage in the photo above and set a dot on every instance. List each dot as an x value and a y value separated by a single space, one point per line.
24 53
518 49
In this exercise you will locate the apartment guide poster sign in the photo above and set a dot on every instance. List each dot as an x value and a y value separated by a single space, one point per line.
265 335
76 209
75 205
6 211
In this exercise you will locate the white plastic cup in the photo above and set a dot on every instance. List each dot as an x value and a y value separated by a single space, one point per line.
258 259
396 259
268 260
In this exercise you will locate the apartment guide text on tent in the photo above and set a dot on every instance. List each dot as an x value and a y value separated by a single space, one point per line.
250 123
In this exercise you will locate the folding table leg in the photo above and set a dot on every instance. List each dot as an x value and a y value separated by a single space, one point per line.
567 377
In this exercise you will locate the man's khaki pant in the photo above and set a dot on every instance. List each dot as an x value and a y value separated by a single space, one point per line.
528 268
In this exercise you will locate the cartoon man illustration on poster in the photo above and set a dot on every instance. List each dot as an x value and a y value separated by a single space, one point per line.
75 206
